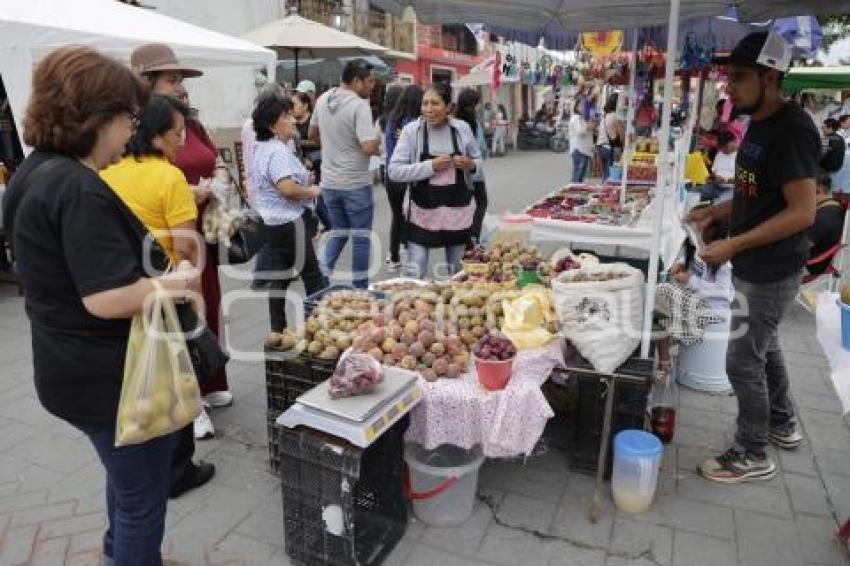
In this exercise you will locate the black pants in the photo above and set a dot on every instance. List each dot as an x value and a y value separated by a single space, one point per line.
480 209
395 194
181 459
290 256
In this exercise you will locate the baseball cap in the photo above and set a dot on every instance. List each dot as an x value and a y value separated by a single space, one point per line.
761 49
156 57
306 86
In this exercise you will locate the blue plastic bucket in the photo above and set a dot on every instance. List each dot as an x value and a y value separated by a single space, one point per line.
845 325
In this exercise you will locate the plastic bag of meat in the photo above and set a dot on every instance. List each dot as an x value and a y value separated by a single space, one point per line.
355 374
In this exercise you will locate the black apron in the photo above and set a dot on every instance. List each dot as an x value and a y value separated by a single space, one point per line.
428 197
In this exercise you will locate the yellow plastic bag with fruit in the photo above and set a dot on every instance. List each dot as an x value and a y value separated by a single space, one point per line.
160 393
527 318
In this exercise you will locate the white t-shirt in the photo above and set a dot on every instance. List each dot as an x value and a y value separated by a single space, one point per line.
581 135
724 165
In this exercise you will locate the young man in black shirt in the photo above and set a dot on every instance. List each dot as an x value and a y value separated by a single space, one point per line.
828 227
773 206
833 146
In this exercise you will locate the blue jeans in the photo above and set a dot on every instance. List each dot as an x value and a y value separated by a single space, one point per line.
137 486
580 162
351 214
606 156
417 258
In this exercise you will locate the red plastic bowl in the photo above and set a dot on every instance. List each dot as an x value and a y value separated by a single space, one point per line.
494 375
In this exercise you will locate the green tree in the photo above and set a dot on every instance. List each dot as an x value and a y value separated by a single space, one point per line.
835 27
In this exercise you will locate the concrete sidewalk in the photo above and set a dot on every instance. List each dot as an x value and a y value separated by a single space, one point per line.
530 513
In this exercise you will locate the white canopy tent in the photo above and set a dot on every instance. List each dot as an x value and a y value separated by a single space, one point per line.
29 29
589 15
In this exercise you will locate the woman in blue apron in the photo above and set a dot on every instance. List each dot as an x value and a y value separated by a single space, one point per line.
436 154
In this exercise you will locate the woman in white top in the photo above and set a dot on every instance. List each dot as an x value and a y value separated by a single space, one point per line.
581 142
722 180
282 194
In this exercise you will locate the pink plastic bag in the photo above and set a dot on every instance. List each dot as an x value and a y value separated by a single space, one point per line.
355 374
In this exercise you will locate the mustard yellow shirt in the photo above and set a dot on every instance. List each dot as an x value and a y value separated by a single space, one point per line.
156 191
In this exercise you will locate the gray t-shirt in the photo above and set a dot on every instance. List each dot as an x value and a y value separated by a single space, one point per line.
344 121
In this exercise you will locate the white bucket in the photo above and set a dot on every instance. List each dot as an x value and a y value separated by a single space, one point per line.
702 366
443 482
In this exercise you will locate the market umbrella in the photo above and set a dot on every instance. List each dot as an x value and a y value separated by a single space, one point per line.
722 32
310 40
327 71
589 15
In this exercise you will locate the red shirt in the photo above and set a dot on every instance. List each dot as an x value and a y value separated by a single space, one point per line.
197 158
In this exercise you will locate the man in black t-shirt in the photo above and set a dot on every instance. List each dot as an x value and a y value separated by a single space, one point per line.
833 146
828 226
773 206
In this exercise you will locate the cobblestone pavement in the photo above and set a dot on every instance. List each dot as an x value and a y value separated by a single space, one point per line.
529 513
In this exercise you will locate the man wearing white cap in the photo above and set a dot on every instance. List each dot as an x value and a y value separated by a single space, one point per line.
772 207
309 88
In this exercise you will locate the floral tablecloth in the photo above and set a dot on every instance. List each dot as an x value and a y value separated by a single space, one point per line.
505 423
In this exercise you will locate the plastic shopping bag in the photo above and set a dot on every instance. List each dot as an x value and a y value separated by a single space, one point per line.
160 393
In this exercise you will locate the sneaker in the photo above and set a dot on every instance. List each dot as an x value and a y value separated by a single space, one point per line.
203 426
788 438
219 399
393 266
734 467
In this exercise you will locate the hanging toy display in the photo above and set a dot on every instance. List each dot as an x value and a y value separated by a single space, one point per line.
527 73
696 55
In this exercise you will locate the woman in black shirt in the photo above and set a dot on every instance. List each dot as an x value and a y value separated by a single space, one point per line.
79 252
309 152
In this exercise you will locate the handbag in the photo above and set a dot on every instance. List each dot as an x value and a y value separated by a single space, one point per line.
248 238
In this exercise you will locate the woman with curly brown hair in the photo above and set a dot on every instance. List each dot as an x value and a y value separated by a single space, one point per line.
79 253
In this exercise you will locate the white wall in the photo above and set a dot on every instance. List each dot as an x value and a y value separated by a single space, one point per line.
224 96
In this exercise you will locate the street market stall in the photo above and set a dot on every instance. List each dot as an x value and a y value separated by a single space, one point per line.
602 311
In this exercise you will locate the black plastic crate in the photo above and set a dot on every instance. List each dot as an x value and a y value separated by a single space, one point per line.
322 477
288 377
578 394
273 432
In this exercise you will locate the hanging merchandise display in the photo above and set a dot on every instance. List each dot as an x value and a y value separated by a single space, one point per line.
697 54
602 43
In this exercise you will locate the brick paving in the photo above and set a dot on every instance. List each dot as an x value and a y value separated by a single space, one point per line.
528 512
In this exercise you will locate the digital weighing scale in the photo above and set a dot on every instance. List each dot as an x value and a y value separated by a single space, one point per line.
360 419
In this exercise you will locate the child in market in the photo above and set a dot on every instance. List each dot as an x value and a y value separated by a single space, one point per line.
695 306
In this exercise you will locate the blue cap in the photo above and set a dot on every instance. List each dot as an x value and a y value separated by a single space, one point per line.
637 443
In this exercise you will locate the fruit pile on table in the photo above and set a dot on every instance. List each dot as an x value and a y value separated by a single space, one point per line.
592 204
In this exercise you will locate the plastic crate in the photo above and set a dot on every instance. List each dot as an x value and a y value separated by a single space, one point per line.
273 432
577 396
288 377
342 505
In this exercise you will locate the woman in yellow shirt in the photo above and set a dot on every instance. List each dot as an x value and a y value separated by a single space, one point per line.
155 190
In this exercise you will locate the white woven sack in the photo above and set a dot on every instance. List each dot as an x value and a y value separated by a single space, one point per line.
602 319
